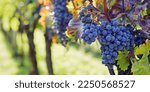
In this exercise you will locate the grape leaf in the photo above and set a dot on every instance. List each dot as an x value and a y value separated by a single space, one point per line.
112 2
100 7
122 60
97 3
143 49
141 67
74 29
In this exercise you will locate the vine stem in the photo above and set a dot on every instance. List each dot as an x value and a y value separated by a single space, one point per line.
123 11
111 71
73 4
106 10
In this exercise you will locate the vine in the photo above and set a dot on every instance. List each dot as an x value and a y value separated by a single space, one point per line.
116 27
121 27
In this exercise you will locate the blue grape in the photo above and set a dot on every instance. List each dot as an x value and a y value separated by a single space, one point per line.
62 18
139 39
89 33
90 28
114 38
108 38
90 7
108 27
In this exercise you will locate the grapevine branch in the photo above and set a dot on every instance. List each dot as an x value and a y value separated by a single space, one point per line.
111 71
74 5
123 10
106 10
95 8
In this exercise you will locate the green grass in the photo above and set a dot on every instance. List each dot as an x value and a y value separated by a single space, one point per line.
65 61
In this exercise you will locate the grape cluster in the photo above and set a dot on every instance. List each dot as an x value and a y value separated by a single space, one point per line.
114 38
90 28
89 33
62 18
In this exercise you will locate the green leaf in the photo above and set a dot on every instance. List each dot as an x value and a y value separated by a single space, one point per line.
100 7
112 2
122 60
139 68
142 67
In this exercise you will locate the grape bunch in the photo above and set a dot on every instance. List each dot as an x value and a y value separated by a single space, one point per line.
90 28
113 38
89 33
62 18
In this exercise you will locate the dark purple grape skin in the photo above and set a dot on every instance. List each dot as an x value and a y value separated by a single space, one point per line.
62 18
90 28
114 38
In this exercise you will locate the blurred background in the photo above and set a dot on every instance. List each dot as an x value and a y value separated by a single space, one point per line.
24 48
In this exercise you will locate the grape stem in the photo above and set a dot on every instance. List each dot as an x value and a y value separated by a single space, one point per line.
106 10
131 55
111 71
123 11
73 4
52 1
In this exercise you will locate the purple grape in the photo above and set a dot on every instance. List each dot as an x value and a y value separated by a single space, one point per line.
114 38
62 18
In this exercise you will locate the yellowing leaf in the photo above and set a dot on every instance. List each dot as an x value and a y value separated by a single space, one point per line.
40 1
143 48
128 7
44 12
97 3
45 2
55 39
42 21
74 7
71 33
